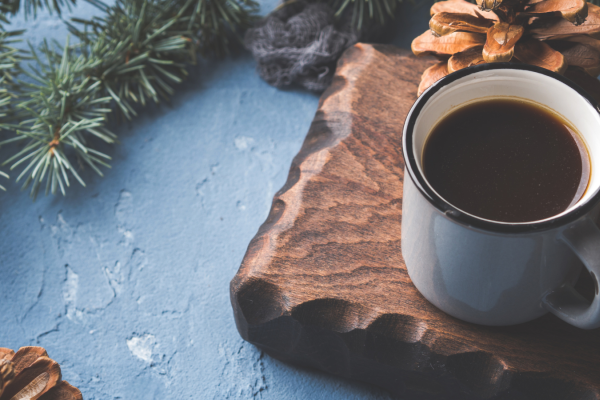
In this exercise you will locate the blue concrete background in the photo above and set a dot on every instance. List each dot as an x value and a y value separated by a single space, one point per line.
126 282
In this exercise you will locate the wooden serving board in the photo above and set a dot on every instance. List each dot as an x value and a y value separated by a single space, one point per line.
323 283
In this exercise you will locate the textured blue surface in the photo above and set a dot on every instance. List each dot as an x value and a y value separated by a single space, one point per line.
126 282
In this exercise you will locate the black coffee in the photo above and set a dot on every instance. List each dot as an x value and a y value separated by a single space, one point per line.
506 160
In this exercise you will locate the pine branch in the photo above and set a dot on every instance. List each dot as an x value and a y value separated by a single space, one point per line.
365 12
134 52
213 22
137 51
57 111
10 61
31 7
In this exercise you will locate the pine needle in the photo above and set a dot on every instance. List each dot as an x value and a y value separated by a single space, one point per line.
366 12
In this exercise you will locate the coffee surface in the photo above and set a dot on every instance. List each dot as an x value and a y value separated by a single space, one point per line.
506 160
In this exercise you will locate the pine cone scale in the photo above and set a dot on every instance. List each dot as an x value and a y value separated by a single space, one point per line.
559 28
26 356
33 381
467 58
587 40
63 391
489 5
500 42
582 56
540 54
574 11
432 75
515 30
449 44
30 374
6 353
444 23
7 373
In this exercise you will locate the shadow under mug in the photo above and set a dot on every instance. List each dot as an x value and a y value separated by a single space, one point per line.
497 273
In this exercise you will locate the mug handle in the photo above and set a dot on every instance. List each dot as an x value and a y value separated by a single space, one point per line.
583 238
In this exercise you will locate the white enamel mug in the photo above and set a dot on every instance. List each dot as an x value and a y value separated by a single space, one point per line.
497 273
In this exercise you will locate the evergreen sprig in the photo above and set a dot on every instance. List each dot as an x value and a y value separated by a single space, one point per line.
10 62
212 22
135 52
31 7
366 11
57 111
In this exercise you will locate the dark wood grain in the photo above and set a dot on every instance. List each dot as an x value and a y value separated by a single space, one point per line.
323 283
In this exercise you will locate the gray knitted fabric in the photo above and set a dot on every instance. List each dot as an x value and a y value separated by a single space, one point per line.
300 43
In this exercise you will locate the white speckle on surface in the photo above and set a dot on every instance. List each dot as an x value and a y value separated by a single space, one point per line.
61 224
124 206
142 347
70 287
243 142
127 236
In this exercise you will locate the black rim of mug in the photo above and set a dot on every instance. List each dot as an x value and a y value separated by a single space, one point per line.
453 212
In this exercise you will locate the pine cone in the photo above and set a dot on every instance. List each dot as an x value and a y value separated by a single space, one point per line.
552 34
30 374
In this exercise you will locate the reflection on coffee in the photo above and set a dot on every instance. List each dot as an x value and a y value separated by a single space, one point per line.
506 159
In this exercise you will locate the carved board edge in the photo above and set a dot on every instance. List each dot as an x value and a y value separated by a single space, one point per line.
331 124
